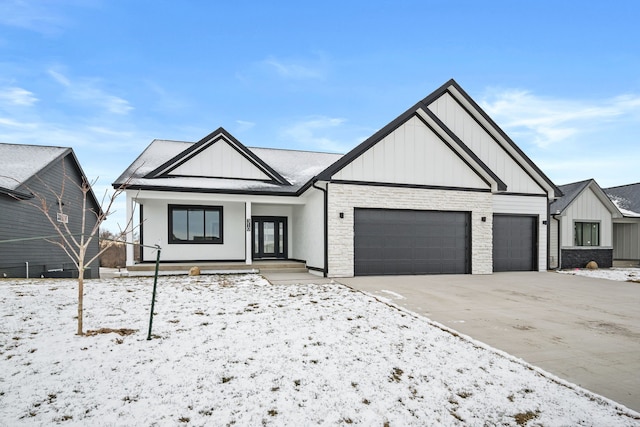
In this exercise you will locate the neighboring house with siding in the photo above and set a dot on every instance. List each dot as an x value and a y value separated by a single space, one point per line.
440 189
42 169
626 230
581 226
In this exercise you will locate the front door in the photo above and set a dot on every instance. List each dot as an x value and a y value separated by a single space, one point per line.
269 237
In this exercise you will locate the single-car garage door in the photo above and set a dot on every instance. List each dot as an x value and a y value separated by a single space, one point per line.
392 241
514 243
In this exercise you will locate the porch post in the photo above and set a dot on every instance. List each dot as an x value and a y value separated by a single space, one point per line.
248 232
129 230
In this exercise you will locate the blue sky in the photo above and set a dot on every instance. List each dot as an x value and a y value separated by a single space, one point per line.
562 78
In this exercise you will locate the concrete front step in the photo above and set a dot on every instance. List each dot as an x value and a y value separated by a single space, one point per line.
221 267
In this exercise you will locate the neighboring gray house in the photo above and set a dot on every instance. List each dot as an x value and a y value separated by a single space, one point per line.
626 230
440 189
24 168
581 226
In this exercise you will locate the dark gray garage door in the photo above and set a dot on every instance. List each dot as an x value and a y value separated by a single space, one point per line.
391 241
514 243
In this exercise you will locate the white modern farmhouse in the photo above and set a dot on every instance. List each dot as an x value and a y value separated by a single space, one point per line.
440 189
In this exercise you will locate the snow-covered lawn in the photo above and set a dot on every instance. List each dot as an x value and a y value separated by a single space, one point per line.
620 274
235 350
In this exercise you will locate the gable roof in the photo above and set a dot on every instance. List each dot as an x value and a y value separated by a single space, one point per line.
626 198
20 163
292 171
429 118
573 190
219 136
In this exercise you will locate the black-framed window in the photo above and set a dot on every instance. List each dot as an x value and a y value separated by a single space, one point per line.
195 224
587 233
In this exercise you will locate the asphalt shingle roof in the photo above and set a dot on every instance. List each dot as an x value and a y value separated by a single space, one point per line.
627 198
297 167
570 191
19 163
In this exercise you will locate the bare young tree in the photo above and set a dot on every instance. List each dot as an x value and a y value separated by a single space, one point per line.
76 243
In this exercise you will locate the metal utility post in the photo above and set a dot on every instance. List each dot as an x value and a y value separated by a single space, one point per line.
153 298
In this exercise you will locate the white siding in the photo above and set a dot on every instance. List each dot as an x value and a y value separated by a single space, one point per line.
587 207
484 146
553 243
308 229
156 231
345 198
527 205
219 160
412 154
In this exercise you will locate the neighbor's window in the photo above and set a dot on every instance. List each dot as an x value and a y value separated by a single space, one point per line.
587 234
195 224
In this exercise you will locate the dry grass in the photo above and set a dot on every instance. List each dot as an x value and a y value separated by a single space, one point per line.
122 331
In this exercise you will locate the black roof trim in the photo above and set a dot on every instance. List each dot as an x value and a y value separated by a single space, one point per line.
501 185
192 151
423 104
213 190
412 186
493 124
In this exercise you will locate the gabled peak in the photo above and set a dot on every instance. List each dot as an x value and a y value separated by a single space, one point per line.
218 155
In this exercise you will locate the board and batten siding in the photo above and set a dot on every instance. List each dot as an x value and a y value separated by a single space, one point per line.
527 205
484 146
220 160
553 243
626 240
587 207
411 154
308 229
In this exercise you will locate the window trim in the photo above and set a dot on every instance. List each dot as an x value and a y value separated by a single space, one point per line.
575 236
203 208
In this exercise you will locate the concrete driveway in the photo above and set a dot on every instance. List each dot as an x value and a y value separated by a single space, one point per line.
584 330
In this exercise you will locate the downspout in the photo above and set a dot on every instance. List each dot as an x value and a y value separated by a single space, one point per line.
325 271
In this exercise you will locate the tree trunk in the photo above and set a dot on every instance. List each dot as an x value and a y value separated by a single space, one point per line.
80 298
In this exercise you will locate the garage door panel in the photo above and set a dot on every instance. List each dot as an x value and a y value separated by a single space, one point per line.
514 243
411 242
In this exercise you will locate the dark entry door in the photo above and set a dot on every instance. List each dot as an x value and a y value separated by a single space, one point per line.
269 237
514 243
394 241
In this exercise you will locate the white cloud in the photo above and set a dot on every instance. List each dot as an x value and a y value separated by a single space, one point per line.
17 96
296 69
87 91
31 15
244 125
547 121
313 133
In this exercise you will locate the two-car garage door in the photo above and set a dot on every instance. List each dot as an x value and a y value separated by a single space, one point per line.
394 241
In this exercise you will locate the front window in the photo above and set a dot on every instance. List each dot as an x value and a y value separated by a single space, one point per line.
587 234
195 224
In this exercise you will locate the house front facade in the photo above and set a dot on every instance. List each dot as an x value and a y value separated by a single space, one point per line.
440 189
54 174
581 226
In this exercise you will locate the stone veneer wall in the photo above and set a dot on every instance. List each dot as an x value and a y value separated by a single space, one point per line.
578 258
343 198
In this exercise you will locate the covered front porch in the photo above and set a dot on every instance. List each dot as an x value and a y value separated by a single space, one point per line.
225 231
